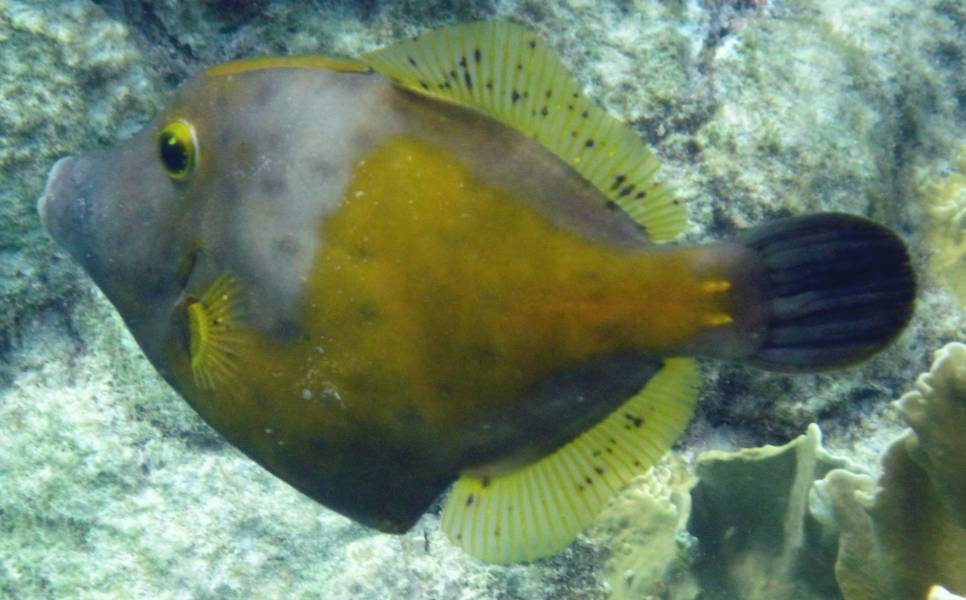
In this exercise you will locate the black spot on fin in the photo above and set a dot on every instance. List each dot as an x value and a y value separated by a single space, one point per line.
540 507
517 80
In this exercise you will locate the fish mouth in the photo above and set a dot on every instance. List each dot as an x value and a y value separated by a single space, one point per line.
66 205
54 179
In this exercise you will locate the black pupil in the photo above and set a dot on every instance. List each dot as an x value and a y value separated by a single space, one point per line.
174 153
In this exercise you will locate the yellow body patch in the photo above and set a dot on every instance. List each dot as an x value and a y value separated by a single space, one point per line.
450 285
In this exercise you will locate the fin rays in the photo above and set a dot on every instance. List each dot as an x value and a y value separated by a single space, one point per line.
539 509
215 342
509 74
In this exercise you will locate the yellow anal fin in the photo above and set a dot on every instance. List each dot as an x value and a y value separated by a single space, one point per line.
215 341
509 74
538 510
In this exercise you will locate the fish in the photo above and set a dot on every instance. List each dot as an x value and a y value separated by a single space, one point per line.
442 266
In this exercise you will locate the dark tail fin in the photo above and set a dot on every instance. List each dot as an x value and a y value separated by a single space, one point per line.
838 289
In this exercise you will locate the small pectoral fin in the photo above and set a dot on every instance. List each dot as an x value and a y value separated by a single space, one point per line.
215 342
539 509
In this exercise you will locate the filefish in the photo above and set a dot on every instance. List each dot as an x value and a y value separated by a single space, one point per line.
440 263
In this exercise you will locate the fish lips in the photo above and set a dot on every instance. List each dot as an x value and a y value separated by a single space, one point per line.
65 207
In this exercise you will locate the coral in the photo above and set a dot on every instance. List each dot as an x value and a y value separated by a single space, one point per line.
778 522
750 518
944 198
641 527
896 541
936 411
899 540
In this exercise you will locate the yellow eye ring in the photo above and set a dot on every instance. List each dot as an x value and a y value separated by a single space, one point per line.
178 149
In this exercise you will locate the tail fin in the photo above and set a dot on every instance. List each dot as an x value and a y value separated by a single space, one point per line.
838 289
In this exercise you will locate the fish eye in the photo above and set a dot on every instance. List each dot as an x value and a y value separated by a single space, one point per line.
178 149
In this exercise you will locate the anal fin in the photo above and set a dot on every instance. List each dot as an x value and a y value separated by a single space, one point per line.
539 509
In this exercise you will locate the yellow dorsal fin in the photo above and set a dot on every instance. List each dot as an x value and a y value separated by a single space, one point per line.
509 74
330 63
538 510
213 333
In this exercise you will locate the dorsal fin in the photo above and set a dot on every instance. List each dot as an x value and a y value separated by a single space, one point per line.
509 74
539 509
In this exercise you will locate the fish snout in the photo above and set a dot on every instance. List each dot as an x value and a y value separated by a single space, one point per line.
64 205
53 180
